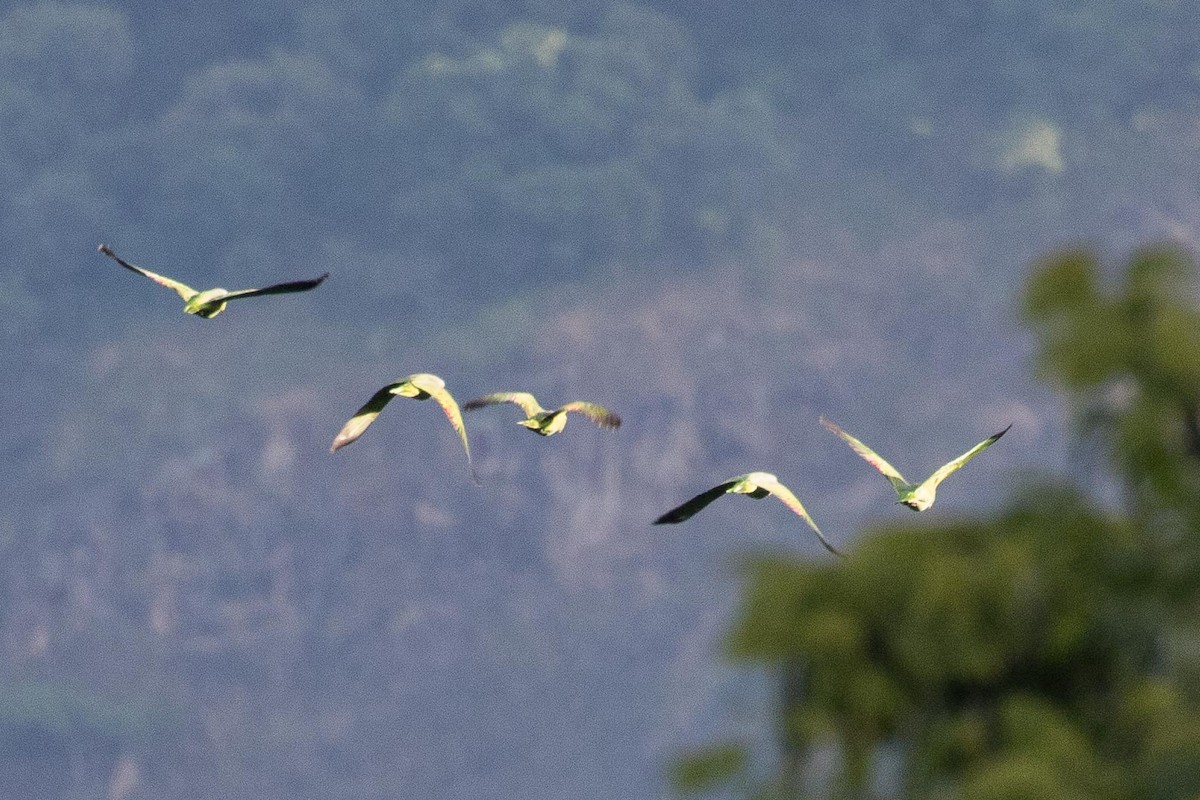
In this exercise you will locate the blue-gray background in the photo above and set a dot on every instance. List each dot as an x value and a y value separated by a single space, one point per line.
720 220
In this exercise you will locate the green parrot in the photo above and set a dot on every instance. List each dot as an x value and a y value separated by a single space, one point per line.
756 484
211 302
546 422
917 496
419 386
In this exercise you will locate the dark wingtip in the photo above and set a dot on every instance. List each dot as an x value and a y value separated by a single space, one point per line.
471 405
1001 433
322 278
612 421
103 248
828 545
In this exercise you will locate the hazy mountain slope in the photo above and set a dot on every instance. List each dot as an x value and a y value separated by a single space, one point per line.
716 229
308 609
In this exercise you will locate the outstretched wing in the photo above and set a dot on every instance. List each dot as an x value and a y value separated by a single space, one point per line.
279 288
437 390
182 289
871 457
791 501
691 507
363 418
954 466
597 414
525 400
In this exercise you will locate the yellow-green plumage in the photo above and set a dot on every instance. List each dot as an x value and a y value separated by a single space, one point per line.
210 302
546 422
756 485
418 386
916 496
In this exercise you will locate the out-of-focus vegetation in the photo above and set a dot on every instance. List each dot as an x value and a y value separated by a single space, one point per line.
500 147
47 709
721 220
1047 651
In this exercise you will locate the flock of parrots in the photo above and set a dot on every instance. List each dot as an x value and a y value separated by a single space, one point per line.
546 422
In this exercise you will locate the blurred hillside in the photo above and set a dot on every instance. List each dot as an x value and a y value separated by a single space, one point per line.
719 223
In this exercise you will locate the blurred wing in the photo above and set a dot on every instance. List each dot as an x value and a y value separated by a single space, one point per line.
279 288
691 507
525 400
450 407
957 464
182 289
871 457
597 414
363 418
791 501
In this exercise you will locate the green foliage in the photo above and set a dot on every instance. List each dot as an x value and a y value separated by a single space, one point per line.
1062 285
1085 337
708 768
937 623
661 139
1044 755
1129 357
1144 331
1046 651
